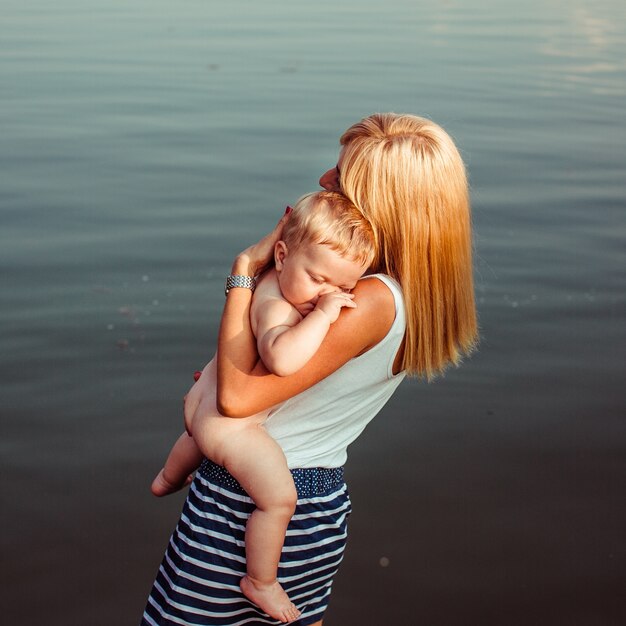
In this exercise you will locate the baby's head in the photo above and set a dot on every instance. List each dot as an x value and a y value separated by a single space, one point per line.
328 218
326 245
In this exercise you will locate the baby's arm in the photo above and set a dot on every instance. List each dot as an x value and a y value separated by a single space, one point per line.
285 340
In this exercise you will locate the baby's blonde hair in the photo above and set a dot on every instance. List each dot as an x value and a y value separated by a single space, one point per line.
406 176
329 218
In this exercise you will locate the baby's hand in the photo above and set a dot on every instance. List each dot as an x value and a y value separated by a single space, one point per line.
331 304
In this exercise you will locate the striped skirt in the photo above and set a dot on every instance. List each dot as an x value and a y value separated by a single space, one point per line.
198 581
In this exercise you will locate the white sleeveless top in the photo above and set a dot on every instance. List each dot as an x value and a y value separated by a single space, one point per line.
315 428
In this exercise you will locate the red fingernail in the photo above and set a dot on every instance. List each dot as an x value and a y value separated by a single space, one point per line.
288 210
197 375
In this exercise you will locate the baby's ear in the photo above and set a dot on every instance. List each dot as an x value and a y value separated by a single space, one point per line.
280 254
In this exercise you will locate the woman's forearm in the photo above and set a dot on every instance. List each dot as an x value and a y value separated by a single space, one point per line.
236 347
245 386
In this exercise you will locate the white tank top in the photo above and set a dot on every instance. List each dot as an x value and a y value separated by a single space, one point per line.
315 428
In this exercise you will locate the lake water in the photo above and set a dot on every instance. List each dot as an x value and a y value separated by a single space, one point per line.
144 143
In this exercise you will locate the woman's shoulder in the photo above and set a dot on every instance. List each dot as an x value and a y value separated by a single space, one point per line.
389 282
381 289
376 307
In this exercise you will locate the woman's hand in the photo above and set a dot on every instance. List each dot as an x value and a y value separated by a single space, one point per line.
259 256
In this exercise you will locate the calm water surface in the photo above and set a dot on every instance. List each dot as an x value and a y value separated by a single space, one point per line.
144 143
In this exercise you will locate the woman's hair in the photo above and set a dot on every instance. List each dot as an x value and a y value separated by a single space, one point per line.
329 218
406 175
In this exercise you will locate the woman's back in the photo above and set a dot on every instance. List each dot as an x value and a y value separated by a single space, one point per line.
315 427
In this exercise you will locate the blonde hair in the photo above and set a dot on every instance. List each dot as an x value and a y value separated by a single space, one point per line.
329 218
407 177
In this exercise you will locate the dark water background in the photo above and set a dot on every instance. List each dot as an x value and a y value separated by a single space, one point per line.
143 143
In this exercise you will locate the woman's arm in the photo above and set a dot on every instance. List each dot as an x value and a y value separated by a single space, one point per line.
244 385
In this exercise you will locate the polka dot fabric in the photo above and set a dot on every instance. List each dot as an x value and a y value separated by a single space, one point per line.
310 482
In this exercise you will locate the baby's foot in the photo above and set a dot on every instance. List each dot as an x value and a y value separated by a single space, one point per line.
271 598
162 487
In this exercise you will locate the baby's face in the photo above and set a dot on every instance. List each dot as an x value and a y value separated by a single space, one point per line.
312 271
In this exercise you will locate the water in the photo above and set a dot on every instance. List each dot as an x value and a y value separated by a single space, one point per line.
144 143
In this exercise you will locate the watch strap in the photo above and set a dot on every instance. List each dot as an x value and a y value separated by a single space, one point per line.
237 280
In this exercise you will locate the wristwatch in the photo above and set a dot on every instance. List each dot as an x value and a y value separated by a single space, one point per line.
237 280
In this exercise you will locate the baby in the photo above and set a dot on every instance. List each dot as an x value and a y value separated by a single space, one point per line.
326 247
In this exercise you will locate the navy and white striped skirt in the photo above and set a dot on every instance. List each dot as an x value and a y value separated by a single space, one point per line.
198 581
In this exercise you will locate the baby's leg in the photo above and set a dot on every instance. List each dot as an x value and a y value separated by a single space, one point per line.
259 465
183 459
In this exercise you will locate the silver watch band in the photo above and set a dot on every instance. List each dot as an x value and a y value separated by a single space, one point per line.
237 280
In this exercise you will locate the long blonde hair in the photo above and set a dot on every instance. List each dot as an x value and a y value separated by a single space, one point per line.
407 177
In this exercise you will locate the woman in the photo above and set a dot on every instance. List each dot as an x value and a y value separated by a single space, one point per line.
415 315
